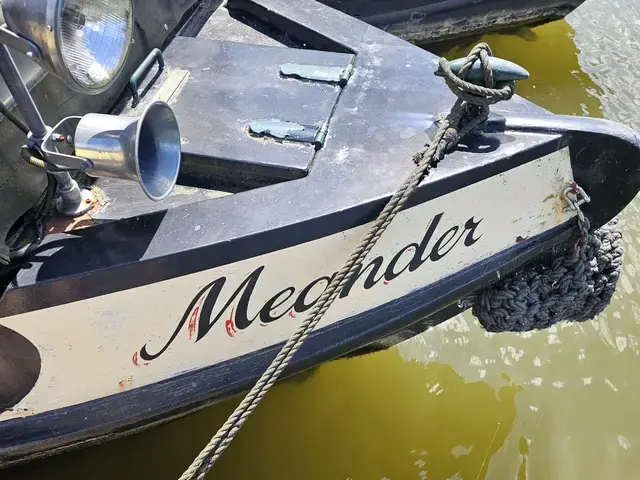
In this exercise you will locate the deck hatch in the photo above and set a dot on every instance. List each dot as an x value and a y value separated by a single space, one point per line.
231 86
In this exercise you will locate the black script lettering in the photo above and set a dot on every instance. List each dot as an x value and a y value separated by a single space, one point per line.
215 285
301 304
241 319
389 273
417 260
369 282
204 323
372 272
471 227
443 241
273 303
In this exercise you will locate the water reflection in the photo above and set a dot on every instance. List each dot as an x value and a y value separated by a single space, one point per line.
550 55
371 417
456 402
569 377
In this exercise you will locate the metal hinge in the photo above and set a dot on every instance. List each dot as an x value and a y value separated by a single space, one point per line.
318 73
290 131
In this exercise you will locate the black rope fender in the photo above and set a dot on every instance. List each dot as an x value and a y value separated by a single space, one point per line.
577 286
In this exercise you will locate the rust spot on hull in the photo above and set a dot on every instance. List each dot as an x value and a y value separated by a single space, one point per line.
125 383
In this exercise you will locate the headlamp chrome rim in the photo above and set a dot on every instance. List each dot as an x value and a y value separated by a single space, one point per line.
41 23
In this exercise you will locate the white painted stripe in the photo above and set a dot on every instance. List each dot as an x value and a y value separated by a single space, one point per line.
88 347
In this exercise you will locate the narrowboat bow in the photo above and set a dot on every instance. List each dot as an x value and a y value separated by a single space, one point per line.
296 124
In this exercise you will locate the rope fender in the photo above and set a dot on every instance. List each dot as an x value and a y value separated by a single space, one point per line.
577 286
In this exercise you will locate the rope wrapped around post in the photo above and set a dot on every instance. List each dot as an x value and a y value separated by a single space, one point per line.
469 111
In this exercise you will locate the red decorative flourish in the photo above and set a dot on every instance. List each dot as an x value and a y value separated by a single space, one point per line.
291 314
231 329
194 317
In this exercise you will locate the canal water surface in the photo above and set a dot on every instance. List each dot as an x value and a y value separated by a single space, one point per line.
455 402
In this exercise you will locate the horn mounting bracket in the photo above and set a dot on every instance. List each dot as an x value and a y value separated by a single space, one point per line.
58 146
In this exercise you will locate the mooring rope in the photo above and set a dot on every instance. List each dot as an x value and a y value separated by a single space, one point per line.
469 110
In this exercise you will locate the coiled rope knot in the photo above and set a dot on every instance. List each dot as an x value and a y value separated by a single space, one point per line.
472 107
488 94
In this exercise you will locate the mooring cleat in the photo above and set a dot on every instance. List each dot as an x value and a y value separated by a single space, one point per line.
503 70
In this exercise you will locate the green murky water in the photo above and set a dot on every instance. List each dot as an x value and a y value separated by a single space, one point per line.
454 403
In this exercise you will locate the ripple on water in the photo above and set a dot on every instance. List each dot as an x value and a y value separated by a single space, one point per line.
624 442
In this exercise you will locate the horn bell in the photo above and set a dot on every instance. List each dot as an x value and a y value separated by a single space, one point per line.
145 149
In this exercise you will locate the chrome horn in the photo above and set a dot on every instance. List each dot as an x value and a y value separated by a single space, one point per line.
145 149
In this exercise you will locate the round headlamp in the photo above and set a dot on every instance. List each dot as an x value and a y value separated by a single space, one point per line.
84 42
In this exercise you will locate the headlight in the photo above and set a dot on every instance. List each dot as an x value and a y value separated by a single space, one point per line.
84 42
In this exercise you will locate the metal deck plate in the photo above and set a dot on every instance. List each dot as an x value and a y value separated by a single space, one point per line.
230 85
